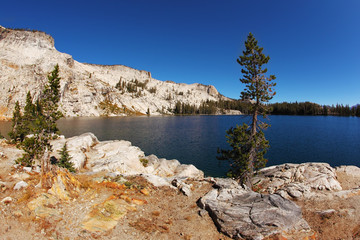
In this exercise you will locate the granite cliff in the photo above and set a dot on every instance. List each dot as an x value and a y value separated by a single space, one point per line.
27 57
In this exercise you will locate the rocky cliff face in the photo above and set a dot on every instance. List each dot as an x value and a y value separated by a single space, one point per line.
27 57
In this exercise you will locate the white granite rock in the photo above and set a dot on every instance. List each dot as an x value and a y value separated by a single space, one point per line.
350 170
298 180
157 181
120 156
115 156
20 185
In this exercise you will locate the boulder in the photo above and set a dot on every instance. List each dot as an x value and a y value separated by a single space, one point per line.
297 180
77 146
349 170
156 180
188 171
120 157
165 168
169 168
242 213
116 156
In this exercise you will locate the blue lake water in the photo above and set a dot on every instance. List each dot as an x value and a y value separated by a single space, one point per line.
195 139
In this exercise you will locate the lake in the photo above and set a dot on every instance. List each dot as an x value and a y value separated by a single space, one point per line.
195 139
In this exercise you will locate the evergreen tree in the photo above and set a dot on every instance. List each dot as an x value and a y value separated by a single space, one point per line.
29 109
29 114
40 120
65 159
16 134
49 103
248 142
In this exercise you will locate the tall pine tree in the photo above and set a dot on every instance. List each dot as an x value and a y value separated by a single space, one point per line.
40 120
247 142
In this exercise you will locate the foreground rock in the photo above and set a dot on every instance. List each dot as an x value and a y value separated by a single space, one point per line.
242 213
294 181
120 157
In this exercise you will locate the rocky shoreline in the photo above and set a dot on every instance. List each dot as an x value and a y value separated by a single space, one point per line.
120 190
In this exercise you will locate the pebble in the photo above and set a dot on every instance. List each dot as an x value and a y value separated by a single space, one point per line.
20 185
18 213
27 169
326 213
7 200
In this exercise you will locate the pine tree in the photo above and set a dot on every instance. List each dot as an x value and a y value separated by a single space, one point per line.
248 143
49 103
16 134
30 108
65 159
40 120
46 128
29 114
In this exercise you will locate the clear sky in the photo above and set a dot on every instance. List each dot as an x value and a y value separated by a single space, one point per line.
314 45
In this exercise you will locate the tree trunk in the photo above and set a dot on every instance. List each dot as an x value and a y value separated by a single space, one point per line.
252 157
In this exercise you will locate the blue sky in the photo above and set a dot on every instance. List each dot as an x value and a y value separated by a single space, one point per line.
314 46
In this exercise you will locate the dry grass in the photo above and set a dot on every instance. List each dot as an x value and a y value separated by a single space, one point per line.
149 226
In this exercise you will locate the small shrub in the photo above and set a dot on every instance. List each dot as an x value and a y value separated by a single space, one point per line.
144 162
109 107
65 159
169 97
152 90
128 184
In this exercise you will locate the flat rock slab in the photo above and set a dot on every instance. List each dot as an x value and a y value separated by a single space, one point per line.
242 213
105 216
44 206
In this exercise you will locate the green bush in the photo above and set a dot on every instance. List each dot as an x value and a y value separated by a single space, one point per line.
65 158
144 162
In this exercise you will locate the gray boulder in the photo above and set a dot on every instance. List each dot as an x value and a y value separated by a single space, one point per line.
294 181
242 213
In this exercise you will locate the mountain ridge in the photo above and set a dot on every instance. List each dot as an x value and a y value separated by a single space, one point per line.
27 57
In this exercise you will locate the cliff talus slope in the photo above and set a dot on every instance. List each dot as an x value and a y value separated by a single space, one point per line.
26 57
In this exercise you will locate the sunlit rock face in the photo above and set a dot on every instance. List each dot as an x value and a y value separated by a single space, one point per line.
244 214
27 57
121 157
